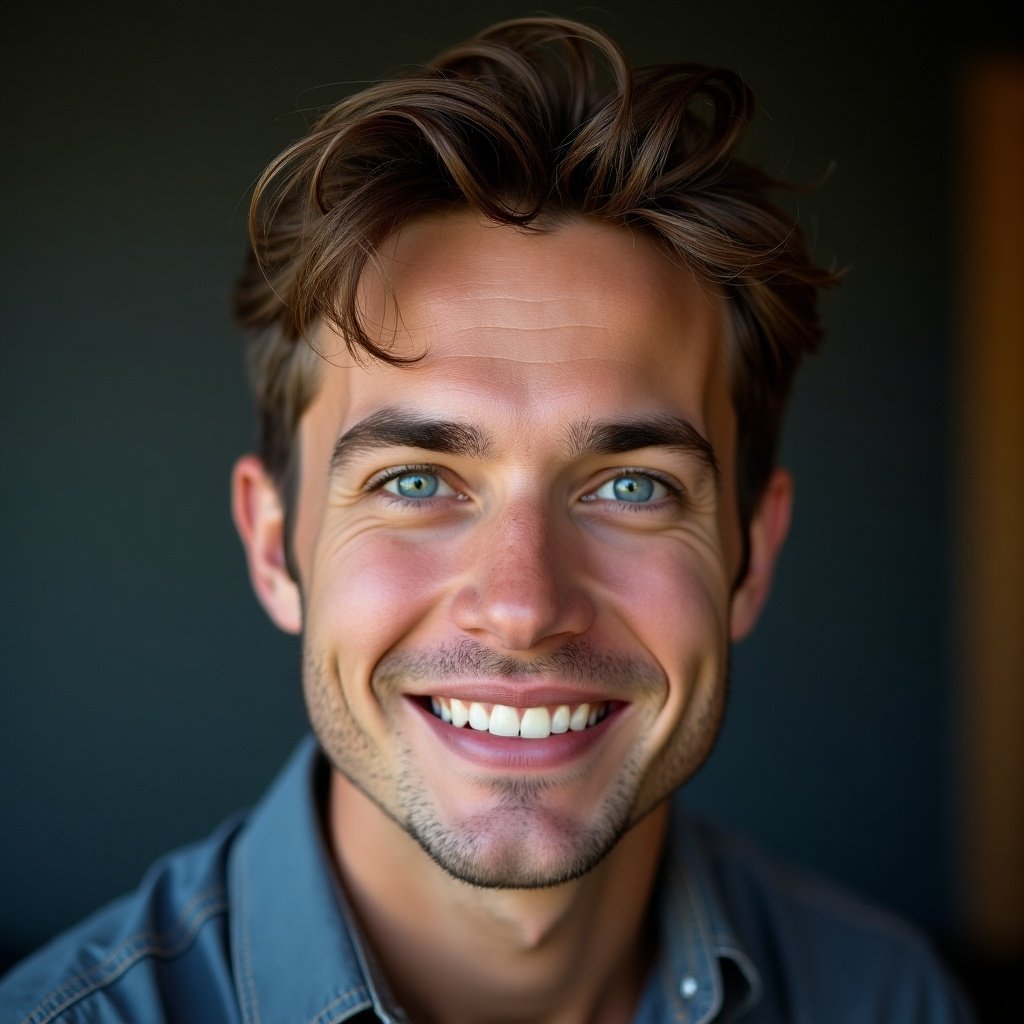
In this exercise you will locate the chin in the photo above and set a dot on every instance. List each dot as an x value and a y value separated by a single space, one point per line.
519 841
503 852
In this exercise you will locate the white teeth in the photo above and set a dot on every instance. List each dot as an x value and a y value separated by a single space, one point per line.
580 717
460 713
530 723
536 724
504 721
478 717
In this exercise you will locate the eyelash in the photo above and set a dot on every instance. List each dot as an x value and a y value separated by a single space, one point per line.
378 480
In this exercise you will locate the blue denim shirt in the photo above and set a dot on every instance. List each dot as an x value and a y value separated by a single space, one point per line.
250 926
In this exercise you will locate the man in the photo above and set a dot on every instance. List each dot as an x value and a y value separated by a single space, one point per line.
521 344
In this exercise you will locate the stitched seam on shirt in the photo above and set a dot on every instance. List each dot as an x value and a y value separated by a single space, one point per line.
810 893
250 1005
125 956
816 893
357 990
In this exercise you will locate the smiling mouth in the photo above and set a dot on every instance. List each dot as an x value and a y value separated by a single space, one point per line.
535 723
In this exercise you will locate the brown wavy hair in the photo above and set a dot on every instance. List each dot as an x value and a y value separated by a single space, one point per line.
526 123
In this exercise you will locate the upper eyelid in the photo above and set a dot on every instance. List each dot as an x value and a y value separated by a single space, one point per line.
665 479
384 475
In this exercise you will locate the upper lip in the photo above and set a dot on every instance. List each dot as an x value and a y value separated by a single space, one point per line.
513 694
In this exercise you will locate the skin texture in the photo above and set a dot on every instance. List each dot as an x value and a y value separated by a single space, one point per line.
525 579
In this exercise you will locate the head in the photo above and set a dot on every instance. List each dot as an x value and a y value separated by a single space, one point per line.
529 123
594 307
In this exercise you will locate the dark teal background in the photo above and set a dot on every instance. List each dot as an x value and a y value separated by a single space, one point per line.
144 695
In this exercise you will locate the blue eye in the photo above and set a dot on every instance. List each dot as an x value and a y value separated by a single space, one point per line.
418 485
413 485
632 488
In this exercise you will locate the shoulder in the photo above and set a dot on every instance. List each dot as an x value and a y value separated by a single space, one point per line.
822 953
165 941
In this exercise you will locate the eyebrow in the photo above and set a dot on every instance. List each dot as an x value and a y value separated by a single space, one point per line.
392 428
618 438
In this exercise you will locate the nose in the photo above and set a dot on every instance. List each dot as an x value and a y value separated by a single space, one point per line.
525 585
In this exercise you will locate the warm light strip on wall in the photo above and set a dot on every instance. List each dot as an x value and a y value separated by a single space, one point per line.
989 388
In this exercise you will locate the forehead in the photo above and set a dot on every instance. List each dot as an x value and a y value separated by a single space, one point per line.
575 320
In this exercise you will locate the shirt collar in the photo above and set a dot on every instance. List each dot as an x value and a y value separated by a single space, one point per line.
701 966
295 944
294 956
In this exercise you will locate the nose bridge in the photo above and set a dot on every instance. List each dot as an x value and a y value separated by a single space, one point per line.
524 587
522 550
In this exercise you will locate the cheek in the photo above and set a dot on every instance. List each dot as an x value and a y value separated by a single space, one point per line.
674 595
675 603
677 609
369 591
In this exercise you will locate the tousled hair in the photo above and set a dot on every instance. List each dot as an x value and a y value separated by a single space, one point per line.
526 123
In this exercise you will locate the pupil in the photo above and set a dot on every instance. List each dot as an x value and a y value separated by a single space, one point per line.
633 488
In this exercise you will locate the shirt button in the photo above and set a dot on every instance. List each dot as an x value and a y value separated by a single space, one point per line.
688 987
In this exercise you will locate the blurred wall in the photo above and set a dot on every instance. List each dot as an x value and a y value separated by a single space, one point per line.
144 696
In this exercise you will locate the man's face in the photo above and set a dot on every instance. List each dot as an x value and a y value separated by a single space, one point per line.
533 525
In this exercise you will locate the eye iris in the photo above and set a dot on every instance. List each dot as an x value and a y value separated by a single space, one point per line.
416 485
633 488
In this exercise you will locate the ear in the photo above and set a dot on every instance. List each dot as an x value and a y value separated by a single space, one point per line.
767 531
259 518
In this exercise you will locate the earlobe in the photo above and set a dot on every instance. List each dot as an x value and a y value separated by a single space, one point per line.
767 532
259 518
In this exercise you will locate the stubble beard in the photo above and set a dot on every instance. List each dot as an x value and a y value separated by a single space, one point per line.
519 842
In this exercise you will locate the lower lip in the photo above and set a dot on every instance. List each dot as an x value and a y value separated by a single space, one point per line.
513 753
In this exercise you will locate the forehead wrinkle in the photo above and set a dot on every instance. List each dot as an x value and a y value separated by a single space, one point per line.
394 428
585 437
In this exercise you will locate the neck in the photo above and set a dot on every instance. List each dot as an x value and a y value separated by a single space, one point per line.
452 952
